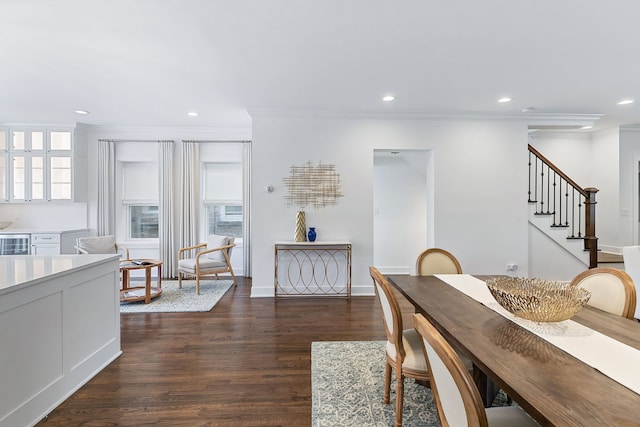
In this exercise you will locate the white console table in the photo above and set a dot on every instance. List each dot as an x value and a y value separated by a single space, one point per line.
320 268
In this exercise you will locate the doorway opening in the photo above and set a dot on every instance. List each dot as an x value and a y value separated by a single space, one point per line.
402 208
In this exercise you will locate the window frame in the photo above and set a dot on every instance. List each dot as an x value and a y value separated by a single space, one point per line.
123 208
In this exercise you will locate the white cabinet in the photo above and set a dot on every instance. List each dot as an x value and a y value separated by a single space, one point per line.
36 164
60 320
56 243
45 244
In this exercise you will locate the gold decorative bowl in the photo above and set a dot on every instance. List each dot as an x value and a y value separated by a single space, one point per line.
538 300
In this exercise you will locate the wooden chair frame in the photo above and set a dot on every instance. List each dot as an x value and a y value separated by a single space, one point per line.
430 251
473 406
629 308
202 272
395 337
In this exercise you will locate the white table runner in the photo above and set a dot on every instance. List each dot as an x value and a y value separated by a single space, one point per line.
613 358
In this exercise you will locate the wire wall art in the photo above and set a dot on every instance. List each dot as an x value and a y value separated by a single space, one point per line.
313 186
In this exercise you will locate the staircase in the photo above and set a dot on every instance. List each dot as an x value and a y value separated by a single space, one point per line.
561 209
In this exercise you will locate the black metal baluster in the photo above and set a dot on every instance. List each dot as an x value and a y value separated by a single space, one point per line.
566 197
579 218
573 214
529 200
554 199
535 183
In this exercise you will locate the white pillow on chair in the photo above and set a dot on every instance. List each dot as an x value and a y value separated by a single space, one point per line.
98 244
215 241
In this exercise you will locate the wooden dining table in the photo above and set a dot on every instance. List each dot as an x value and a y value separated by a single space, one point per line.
554 387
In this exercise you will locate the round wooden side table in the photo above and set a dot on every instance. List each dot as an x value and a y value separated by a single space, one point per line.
139 293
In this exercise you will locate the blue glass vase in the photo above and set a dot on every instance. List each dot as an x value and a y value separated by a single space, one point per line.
312 234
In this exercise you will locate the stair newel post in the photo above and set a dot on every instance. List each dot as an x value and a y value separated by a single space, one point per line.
590 239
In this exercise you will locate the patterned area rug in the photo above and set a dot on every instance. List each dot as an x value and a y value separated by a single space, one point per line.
347 382
174 299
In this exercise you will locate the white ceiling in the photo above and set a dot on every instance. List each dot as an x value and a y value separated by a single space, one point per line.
149 62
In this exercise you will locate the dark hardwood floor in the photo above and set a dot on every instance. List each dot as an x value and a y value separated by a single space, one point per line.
246 363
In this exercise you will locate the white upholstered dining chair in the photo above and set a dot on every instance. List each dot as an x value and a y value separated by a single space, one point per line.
403 350
612 290
437 261
631 257
210 258
456 396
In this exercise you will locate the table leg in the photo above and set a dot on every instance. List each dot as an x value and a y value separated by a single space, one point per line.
487 388
125 279
160 276
147 285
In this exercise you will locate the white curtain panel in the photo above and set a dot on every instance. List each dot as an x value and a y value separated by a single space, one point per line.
189 193
168 247
106 176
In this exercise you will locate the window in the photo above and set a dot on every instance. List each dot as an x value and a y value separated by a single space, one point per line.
231 213
223 198
140 197
143 222
219 222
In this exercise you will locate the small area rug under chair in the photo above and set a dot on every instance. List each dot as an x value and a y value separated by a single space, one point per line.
347 382
174 299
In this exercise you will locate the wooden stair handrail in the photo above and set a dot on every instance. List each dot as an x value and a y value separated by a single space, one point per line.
558 171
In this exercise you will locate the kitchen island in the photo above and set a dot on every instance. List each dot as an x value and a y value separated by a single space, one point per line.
59 326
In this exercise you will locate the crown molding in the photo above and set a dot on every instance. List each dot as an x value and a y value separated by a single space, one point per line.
534 119
171 132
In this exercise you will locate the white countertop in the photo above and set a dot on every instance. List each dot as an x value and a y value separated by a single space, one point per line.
25 270
14 230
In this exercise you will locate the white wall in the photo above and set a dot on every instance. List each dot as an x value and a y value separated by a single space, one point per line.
45 216
550 261
480 213
605 162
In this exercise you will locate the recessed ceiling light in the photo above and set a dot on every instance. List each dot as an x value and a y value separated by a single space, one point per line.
83 112
626 102
586 127
192 114
388 98
504 99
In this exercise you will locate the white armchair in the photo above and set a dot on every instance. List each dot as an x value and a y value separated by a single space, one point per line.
100 245
204 259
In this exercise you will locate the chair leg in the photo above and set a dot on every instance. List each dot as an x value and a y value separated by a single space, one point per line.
399 400
198 284
387 383
233 277
179 280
